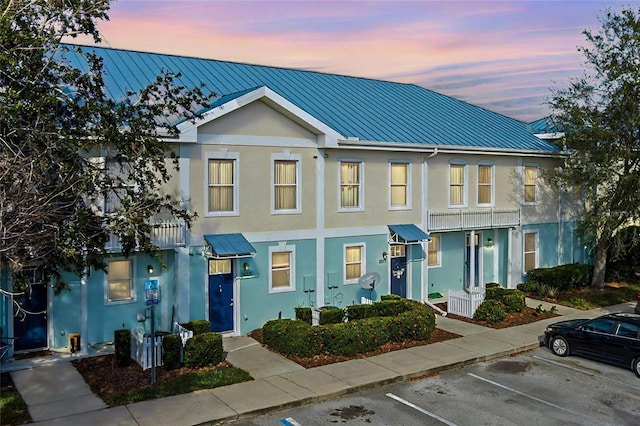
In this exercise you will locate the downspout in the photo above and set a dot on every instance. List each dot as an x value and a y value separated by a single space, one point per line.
425 219
320 232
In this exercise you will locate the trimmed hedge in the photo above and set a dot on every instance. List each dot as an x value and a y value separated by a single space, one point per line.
514 300
171 347
414 321
563 277
122 346
198 326
490 310
203 349
331 316
303 314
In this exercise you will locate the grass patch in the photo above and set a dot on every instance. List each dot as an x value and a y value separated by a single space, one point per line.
591 299
181 384
13 410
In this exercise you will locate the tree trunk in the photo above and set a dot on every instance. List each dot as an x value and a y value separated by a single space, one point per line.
599 266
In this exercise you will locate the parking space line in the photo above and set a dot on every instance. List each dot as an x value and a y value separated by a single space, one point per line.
588 373
542 401
289 422
422 410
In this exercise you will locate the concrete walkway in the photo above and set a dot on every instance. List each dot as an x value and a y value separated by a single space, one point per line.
57 395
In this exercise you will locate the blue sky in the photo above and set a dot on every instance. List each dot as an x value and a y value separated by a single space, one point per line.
501 55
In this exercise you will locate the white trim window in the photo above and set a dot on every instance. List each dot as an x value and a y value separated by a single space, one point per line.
282 267
485 184
433 251
285 179
222 185
457 185
351 185
530 251
354 262
399 185
119 281
530 176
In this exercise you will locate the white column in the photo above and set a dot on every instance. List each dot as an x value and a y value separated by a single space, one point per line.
496 256
472 260
320 232
509 256
84 314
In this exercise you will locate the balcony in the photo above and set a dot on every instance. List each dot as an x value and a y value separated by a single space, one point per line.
456 220
165 235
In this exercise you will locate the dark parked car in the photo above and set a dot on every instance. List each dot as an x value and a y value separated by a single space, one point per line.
612 338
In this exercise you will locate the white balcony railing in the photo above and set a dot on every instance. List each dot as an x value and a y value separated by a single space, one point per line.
472 219
165 235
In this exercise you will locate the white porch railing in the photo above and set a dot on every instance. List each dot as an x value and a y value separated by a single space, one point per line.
461 303
165 235
366 301
472 219
141 347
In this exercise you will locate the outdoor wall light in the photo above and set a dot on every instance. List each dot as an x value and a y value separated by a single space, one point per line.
385 255
150 269
489 242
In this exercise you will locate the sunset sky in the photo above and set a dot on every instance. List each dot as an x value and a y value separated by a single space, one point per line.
502 55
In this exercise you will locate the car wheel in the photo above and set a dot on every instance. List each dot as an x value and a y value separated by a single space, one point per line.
636 366
559 346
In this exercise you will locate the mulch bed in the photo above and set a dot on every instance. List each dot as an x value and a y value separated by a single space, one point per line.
527 316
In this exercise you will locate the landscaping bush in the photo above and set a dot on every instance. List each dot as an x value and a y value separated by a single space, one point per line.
514 301
349 339
292 337
331 316
528 287
492 285
490 310
203 349
416 324
198 326
563 277
385 308
171 347
122 346
304 314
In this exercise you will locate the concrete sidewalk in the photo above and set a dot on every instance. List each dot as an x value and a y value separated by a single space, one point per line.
57 395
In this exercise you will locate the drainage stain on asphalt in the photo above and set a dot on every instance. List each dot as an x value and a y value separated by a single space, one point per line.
509 366
351 412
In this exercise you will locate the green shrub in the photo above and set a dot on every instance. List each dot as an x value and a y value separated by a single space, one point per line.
171 348
390 297
198 326
492 311
349 339
563 277
122 346
528 287
203 349
386 308
514 301
416 324
492 285
304 314
293 337
331 316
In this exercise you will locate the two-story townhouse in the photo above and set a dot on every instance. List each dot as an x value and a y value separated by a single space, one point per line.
303 182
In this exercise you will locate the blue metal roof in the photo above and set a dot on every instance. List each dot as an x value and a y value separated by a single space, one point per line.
230 245
544 125
409 233
367 109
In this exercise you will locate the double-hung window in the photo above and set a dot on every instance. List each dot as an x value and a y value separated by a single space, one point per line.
530 184
120 281
282 265
485 185
530 251
399 185
222 186
353 263
351 185
286 190
433 249
457 187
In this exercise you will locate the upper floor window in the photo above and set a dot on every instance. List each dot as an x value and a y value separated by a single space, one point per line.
353 263
120 186
282 269
350 185
576 194
530 251
120 280
433 255
399 185
285 186
222 186
485 185
530 183
457 188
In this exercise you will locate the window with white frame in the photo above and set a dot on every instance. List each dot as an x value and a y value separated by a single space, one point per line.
399 185
219 266
120 188
485 185
530 251
433 251
282 267
222 191
457 188
350 185
353 263
120 280
530 184
285 185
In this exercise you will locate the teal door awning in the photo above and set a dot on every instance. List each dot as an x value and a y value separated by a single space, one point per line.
229 246
408 234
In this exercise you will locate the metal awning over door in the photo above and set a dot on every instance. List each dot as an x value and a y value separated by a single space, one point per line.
407 234
225 246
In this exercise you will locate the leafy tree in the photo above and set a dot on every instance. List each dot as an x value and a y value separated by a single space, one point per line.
66 146
600 112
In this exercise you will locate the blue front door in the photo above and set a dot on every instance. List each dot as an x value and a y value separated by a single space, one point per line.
221 301
399 276
30 329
